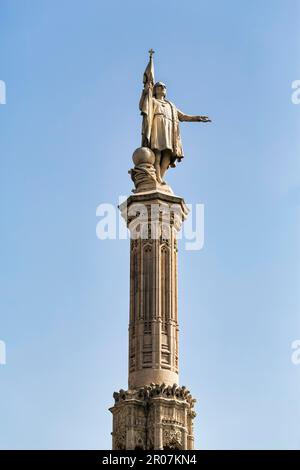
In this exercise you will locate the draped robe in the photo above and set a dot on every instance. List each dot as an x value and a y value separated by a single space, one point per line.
160 129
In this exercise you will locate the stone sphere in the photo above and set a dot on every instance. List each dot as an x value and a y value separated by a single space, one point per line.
143 155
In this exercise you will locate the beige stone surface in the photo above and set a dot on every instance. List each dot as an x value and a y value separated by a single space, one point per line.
154 412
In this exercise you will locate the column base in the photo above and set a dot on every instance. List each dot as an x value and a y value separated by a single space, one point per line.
157 417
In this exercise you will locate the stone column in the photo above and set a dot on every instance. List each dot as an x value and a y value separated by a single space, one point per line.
153 220
155 412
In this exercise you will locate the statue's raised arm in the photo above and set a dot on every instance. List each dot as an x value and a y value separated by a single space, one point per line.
146 102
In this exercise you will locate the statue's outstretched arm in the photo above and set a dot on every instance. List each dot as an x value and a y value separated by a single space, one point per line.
186 117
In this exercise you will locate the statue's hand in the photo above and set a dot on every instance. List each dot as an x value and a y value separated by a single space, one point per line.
204 119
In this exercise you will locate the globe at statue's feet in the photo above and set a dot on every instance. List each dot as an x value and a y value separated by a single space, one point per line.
144 175
143 155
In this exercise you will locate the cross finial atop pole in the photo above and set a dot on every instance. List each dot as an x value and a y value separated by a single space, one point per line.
151 52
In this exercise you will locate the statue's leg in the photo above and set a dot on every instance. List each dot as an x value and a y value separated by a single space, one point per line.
157 165
165 162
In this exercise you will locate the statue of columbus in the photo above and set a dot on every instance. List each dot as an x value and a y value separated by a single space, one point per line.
160 127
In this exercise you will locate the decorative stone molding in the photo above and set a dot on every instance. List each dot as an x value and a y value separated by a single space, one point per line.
154 391
157 416
172 438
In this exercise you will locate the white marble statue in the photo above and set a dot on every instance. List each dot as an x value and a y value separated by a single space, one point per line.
160 128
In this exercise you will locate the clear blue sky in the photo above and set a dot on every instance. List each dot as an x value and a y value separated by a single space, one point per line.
73 71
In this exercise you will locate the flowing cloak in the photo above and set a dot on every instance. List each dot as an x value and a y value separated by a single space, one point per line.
165 133
160 129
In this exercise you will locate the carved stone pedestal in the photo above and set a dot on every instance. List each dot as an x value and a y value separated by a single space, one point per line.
153 417
154 413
